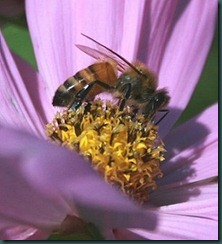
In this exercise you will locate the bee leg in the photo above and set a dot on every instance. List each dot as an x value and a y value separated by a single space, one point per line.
81 95
165 111
126 95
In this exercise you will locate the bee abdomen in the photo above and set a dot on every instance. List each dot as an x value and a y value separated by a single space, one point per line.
65 94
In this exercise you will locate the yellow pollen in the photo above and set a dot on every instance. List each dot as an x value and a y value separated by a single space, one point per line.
124 148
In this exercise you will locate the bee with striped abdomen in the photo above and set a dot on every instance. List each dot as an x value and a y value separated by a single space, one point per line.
135 87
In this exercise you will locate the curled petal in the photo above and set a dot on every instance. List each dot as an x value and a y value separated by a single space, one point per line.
57 183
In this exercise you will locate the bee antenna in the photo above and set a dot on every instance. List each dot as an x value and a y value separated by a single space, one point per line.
110 50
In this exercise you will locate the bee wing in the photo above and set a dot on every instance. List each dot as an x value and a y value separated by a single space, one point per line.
103 54
106 52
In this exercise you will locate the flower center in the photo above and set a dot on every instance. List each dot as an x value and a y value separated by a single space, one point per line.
124 148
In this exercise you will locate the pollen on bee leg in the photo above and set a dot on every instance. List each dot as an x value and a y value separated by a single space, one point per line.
125 149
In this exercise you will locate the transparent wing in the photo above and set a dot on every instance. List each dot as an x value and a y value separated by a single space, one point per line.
105 52
103 55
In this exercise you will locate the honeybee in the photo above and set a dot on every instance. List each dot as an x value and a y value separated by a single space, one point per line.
135 87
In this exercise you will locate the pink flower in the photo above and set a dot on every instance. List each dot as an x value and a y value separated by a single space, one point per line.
41 183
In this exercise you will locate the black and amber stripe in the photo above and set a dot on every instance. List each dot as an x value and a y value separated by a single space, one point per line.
101 71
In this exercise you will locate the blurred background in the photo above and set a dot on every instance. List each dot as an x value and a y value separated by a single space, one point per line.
16 33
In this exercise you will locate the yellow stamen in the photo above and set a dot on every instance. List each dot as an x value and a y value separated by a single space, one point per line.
124 148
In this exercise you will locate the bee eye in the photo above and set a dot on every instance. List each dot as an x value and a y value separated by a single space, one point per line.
159 100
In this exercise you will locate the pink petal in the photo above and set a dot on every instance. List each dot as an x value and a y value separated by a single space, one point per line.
204 205
192 150
186 168
23 233
194 219
37 90
199 131
187 194
192 160
22 202
156 26
186 48
16 107
57 182
191 220
179 227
